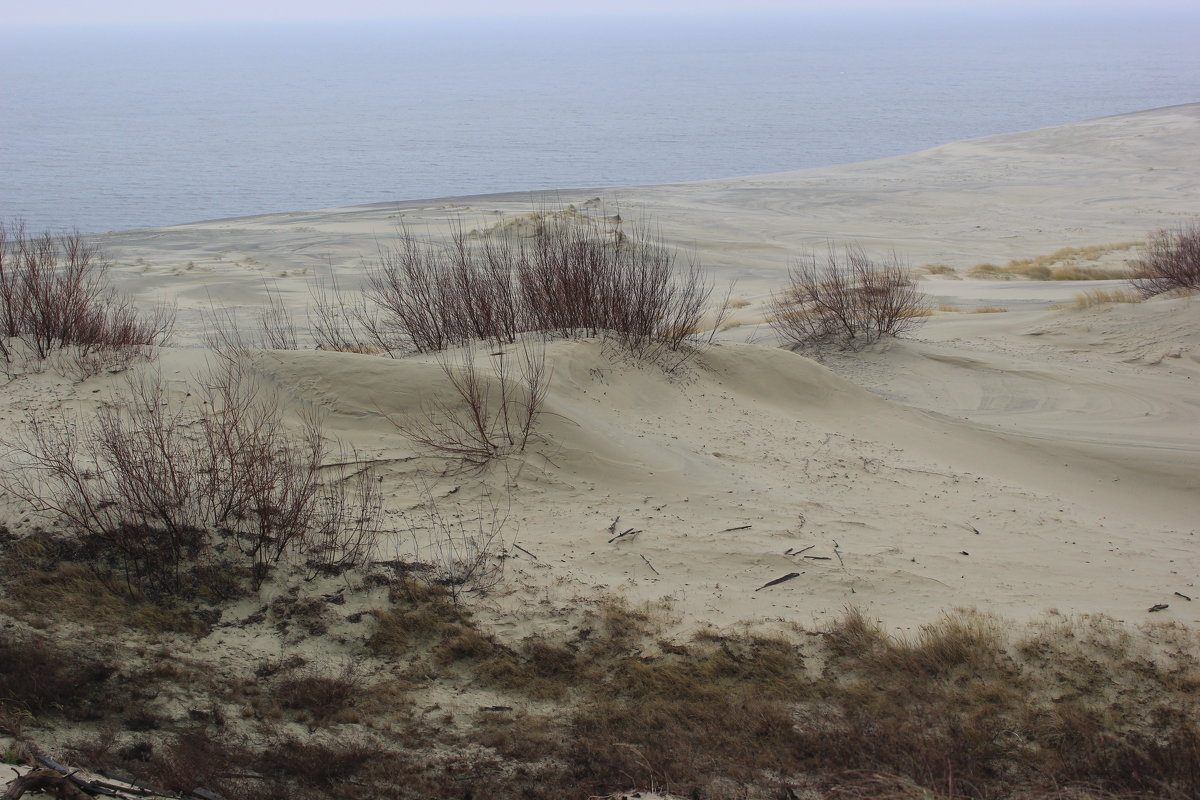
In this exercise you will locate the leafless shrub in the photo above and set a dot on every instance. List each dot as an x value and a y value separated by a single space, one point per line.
343 325
275 324
172 491
486 418
438 296
848 300
1170 262
571 276
54 295
465 547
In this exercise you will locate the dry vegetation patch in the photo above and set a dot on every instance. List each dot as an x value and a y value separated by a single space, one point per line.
1067 264
970 706
1100 297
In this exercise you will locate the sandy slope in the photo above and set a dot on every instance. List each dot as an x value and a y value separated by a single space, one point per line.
1043 458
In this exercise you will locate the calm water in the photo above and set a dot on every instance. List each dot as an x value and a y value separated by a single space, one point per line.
109 129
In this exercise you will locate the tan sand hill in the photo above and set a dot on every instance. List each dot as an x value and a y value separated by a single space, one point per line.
1068 439
1040 461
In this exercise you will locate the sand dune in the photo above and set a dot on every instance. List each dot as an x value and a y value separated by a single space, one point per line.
1018 462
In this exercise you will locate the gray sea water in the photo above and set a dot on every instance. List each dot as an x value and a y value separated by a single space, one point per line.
117 128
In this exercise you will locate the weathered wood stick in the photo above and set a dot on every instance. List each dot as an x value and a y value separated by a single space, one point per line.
44 780
630 532
778 581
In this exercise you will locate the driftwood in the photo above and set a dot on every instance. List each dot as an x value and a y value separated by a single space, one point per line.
742 528
778 581
526 552
45 780
66 784
648 564
629 532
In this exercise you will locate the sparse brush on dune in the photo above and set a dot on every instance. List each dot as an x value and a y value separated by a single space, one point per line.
1170 262
55 299
848 300
189 498
571 276
489 415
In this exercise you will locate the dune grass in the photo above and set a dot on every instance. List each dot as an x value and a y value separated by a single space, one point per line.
1067 264
1099 297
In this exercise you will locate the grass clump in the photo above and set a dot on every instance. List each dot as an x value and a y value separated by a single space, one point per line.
1067 264
940 269
966 706
1100 297
322 694
37 679
420 613
54 580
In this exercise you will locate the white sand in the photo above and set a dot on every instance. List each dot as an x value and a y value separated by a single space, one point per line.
1037 459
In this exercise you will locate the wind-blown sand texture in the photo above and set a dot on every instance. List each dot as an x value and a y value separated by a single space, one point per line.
1044 458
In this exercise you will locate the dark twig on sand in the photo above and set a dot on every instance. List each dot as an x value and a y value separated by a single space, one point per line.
778 581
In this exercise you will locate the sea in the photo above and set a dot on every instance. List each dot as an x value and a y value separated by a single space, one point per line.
114 128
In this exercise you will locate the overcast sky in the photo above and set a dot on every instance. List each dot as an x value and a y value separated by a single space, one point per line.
88 12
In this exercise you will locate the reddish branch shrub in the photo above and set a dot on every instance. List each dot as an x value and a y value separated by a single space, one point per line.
571 277
187 498
54 294
487 417
848 300
1170 262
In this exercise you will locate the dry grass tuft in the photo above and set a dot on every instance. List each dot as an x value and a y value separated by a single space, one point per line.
1099 297
420 613
54 580
989 310
1067 264
37 679
321 693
